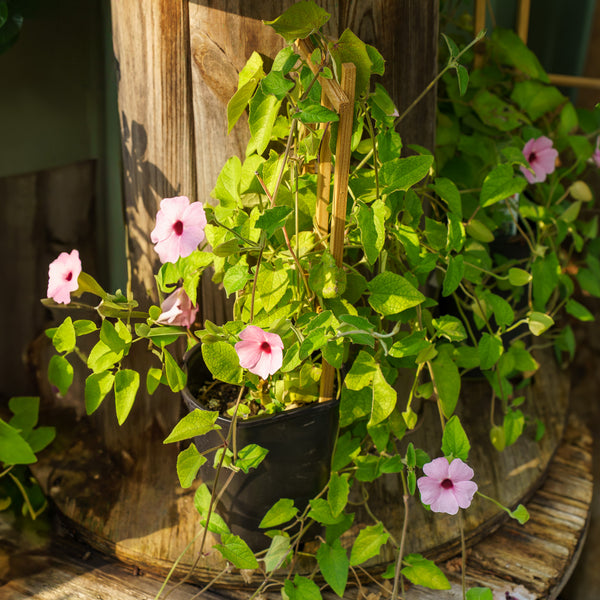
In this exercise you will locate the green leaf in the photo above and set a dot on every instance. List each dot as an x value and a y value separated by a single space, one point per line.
351 49
326 279
198 422
535 98
14 450
371 224
60 373
495 112
508 48
176 377
236 278
479 593
403 173
222 361
227 188
410 345
454 274
301 588
384 399
320 511
39 438
518 277
449 193
234 549
202 501
450 327
97 386
277 553
127 383
334 565
520 514
337 495
392 293
273 219
281 512
277 84
539 323
421 571
347 448
545 272
250 456
249 78
455 443
463 79
88 284
64 337
263 112
299 20
499 184
101 357
26 411
111 337
308 112
478 231
368 543
189 462
447 381
514 422
271 286
578 311
153 379
490 349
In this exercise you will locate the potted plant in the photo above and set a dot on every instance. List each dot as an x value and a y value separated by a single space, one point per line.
351 280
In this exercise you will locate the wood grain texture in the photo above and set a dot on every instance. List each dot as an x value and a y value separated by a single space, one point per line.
530 561
151 46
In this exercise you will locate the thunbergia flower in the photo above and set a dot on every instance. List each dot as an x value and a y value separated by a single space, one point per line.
259 351
446 487
63 273
179 228
177 309
541 157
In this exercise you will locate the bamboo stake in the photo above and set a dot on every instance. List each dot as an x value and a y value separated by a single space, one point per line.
323 177
340 197
523 11
479 24
574 81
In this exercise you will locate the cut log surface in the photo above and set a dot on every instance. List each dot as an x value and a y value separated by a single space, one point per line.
528 562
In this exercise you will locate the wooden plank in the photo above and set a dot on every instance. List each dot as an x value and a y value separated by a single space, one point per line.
151 46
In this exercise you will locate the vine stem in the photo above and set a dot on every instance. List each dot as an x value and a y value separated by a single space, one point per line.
398 580
463 550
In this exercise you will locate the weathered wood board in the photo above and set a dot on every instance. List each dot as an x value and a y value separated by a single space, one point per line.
529 562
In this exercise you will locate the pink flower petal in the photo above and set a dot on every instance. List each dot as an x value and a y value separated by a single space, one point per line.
430 489
437 468
63 274
464 492
177 309
179 228
261 352
541 157
459 471
445 502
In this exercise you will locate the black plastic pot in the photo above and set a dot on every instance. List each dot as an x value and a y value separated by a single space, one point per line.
300 444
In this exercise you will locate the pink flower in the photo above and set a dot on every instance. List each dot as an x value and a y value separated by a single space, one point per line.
541 156
447 486
259 351
63 273
179 228
177 309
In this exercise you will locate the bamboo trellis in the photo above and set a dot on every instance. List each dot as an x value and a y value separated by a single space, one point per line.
340 97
